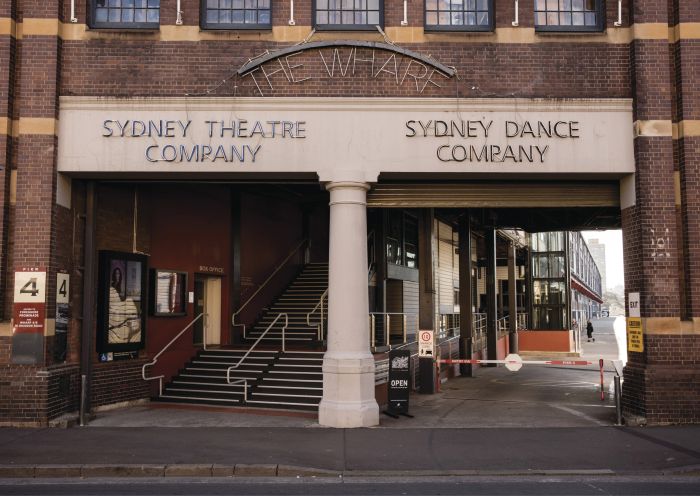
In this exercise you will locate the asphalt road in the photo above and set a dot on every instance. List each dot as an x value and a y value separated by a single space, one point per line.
360 486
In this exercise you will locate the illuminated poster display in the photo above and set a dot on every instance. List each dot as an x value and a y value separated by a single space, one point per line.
122 290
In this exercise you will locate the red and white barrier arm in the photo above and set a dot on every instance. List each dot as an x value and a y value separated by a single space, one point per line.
493 361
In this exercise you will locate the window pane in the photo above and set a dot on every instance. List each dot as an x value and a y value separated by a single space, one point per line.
101 15
577 19
373 18
431 18
140 15
321 17
152 15
483 18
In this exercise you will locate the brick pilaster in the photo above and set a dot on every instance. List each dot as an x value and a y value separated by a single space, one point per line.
650 230
661 383
34 235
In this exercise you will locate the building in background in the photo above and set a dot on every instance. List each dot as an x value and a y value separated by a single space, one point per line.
597 250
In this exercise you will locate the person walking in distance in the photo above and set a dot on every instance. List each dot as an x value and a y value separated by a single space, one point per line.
589 331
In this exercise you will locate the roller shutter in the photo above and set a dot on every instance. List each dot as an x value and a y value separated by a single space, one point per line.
496 194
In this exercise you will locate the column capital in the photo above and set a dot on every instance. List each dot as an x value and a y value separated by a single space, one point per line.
353 185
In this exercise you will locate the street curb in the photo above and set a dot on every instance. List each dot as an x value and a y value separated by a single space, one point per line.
482 472
255 470
250 470
286 471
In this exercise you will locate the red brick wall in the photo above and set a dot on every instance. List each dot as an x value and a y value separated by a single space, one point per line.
33 396
118 381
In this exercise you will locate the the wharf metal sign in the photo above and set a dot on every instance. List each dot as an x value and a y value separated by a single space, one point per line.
321 136
342 60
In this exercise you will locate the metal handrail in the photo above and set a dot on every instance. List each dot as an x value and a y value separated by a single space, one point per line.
280 266
479 324
320 330
155 358
521 321
387 326
244 380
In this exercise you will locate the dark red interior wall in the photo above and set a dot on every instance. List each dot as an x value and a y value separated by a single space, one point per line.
271 227
318 232
190 227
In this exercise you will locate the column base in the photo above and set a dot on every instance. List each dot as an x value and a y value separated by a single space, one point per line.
348 393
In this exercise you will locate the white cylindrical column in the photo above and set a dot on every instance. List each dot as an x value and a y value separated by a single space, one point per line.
348 366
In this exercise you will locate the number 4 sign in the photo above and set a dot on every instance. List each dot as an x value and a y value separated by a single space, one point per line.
30 286
62 288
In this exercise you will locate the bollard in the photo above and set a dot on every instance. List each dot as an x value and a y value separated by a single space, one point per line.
83 399
437 376
618 399
602 381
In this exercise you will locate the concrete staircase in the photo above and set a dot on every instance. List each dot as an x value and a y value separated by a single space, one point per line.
276 379
297 301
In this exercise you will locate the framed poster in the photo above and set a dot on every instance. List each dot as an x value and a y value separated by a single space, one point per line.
168 293
121 319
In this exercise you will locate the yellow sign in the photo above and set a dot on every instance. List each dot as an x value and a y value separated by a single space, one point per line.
635 335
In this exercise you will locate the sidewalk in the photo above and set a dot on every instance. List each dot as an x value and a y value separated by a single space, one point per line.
541 420
324 452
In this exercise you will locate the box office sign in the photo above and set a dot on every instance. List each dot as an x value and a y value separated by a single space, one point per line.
29 315
304 135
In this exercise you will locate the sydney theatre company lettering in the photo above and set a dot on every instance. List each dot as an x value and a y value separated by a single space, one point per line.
241 140
203 152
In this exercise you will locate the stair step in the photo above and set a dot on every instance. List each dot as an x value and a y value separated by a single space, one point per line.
286 398
284 382
200 400
199 391
307 391
221 376
283 405
298 368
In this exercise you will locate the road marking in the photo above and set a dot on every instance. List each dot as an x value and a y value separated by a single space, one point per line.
579 414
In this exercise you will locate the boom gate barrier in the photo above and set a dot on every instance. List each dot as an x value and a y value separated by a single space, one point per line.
513 362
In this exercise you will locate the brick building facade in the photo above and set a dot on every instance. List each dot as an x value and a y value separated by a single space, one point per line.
55 53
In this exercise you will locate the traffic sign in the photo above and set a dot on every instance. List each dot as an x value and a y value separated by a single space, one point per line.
425 343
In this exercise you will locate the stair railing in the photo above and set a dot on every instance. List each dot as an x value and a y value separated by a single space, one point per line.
479 325
155 358
320 332
245 356
264 283
387 327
